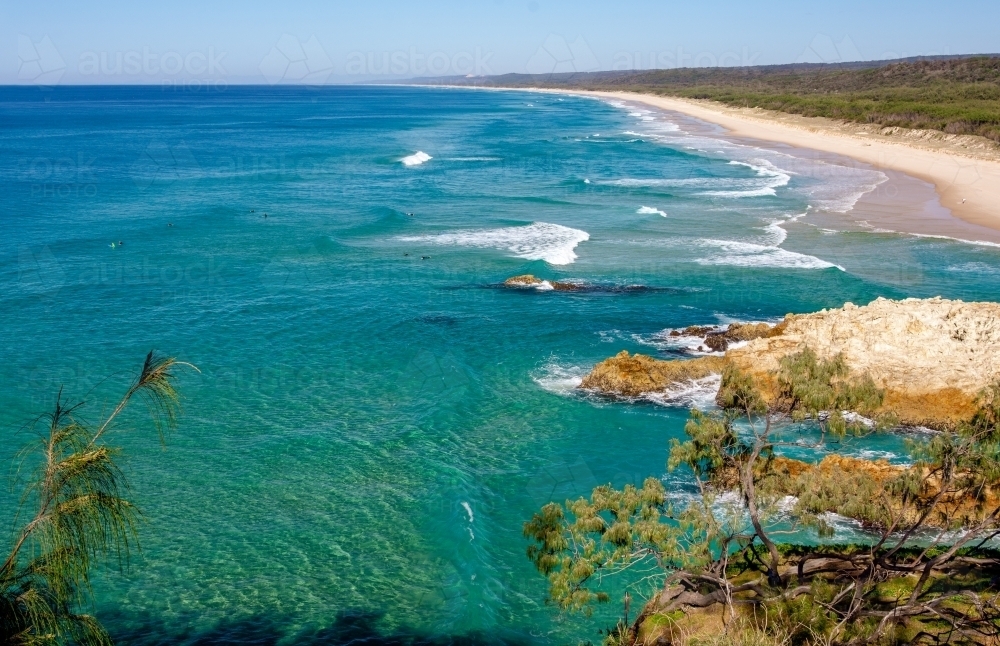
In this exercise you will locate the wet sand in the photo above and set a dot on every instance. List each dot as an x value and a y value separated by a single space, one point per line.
965 179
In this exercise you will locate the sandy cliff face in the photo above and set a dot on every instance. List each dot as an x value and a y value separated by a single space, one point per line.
932 356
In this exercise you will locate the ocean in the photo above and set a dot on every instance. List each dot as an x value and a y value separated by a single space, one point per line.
373 417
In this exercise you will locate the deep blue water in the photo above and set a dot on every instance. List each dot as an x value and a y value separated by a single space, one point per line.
370 428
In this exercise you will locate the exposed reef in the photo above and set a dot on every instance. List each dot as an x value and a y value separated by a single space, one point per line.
529 281
718 340
635 375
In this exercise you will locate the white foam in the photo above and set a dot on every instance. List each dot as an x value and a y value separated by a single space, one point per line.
472 159
771 178
841 186
775 234
688 344
416 158
978 243
746 254
974 268
930 236
648 210
552 243
468 510
774 178
558 378
838 189
869 454
697 393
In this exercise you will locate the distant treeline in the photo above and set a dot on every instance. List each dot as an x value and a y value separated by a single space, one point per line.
958 95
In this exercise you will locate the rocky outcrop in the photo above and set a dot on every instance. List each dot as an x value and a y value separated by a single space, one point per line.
932 357
736 332
634 375
530 281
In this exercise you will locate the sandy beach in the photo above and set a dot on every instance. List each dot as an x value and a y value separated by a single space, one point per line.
964 170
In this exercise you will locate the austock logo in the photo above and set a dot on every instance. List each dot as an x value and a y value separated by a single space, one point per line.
822 49
293 61
38 271
39 63
161 164
557 56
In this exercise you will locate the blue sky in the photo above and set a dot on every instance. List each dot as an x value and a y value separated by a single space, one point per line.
310 41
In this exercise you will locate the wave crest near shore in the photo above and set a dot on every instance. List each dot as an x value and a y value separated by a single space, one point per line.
553 243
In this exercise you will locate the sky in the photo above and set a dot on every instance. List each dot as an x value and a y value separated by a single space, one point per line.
204 43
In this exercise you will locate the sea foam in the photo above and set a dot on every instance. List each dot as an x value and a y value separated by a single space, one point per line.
558 378
649 210
416 158
747 254
772 178
552 243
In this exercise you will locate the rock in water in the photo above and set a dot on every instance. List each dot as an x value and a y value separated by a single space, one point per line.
719 341
528 280
524 280
634 375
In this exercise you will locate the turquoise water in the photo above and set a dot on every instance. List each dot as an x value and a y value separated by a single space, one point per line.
370 428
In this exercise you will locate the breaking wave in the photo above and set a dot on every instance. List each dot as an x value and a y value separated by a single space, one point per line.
416 158
553 243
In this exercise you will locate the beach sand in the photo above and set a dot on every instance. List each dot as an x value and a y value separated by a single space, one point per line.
965 171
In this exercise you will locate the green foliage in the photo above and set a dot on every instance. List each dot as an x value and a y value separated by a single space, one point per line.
709 554
808 387
958 96
711 445
78 500
739 393
596 538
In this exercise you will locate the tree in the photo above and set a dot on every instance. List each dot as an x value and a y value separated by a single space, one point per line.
77 497
927 574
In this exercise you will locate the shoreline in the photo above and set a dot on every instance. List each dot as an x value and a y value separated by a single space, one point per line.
967 185
966 180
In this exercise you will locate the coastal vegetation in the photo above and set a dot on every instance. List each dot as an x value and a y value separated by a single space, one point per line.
76 510
715 570
958 95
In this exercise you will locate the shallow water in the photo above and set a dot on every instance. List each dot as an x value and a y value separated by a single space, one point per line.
370 428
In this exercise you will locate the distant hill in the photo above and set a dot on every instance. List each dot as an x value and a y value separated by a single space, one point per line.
953 94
